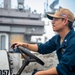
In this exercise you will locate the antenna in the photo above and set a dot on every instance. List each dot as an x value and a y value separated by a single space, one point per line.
45 8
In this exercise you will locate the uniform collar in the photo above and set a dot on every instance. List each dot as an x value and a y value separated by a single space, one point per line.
68 36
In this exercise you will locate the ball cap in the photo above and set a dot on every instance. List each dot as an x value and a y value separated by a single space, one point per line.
62 13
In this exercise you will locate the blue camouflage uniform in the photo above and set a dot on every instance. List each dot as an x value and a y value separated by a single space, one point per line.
65 52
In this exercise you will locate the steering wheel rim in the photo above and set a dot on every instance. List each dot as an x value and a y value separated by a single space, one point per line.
28 53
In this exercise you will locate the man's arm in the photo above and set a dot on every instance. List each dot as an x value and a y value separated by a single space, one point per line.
51 71
32 47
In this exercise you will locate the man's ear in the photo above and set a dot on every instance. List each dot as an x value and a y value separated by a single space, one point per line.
66 20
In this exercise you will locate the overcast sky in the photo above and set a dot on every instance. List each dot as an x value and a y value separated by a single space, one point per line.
38 5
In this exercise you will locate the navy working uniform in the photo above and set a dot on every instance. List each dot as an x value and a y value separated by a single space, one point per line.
65 52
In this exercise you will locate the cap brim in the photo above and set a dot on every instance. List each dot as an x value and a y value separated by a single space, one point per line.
51 16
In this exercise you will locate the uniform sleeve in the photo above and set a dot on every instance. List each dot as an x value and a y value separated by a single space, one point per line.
66 65
47 47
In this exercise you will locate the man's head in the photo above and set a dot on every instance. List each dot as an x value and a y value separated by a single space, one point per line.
62 13
62 19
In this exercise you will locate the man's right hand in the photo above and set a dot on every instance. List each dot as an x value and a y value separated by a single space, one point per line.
16 44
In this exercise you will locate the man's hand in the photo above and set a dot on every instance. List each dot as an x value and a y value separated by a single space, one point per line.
16 44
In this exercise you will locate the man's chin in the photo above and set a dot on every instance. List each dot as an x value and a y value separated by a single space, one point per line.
55 30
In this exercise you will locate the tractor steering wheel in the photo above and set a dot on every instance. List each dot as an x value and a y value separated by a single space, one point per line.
29 54
28 58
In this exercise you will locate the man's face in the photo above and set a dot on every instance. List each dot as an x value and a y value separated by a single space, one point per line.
58 24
